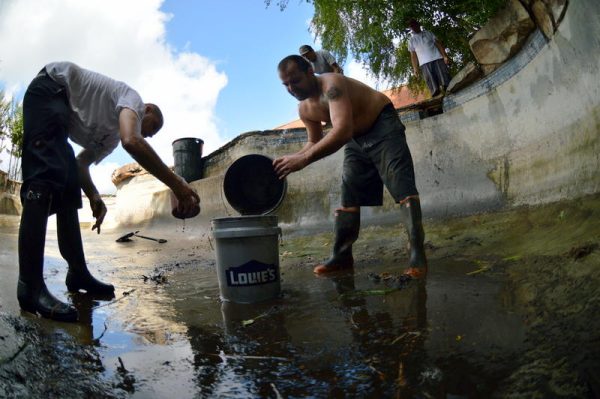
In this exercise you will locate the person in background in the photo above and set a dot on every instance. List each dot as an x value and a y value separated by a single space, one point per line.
365 123
322 61
428 55
65 101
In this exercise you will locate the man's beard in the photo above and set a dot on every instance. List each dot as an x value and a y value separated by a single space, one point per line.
300 96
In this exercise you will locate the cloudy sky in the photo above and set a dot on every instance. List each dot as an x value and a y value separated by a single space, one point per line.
209 64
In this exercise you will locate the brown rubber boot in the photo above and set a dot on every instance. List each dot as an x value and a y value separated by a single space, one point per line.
71 249
346 228
411 212
32 293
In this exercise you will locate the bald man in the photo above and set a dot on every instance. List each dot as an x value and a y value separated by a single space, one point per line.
65 101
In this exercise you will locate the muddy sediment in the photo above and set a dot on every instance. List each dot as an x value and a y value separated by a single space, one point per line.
509 309
35 364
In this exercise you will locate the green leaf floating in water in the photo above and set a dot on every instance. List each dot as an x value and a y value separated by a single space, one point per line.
363 293
483 269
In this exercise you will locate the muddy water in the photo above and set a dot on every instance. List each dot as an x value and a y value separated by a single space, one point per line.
167 332
486 316
327 336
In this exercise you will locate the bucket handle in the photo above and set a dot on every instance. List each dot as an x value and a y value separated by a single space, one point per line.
223 202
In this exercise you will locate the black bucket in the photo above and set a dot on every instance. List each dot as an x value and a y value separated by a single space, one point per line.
187 154
252 187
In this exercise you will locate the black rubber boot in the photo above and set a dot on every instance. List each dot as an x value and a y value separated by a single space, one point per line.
71 249
32 293
411 212
347 227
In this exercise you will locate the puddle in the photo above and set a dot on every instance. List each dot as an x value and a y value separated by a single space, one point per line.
324 337
318 339
462 333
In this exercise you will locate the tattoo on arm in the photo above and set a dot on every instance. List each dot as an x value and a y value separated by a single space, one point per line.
333 93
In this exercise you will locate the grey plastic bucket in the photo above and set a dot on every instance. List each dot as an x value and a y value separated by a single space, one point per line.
187 156
247 249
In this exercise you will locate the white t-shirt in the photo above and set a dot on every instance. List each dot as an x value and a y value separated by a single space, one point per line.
423 43
96 101
323 62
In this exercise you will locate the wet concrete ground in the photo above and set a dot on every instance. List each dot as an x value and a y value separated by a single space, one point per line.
509 310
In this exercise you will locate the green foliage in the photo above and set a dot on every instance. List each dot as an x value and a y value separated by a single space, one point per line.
16 131
5 108
11 132
375 32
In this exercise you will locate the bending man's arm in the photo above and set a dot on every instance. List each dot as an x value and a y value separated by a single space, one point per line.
291 163
337 68
415 62
340 113
442 50
332 62
314 131
319 146
84 159
142 152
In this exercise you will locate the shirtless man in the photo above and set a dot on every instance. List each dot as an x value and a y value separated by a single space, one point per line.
366 123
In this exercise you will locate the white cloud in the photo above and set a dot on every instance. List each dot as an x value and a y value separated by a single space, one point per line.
362 73
121 39
101 175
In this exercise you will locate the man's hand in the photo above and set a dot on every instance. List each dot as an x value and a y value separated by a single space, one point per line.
85 158
288 164
98 211
447 60
187 204
414 61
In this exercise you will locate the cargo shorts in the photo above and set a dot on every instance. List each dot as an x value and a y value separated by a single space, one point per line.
379 157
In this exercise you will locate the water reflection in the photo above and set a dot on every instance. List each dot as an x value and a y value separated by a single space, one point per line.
84 328
346 335
241 357
392 350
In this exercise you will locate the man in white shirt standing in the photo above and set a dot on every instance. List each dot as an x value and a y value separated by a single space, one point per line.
429 54
66 101
321 61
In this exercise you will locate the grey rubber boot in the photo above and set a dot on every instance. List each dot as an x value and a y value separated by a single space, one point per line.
411 213
32 293
346 229
71 249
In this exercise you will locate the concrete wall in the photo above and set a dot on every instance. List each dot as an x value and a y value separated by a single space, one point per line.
528 133
533 125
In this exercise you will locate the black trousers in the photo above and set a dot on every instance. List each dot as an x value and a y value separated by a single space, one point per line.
48 158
